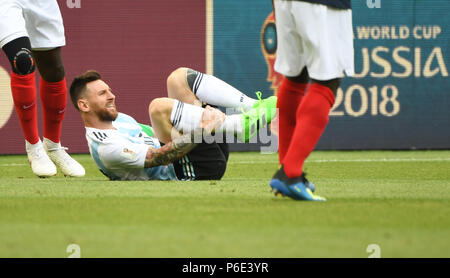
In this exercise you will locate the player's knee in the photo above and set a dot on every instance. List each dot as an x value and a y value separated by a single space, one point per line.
332 84
51 66
23 62
176 77
181 76
20 56
160 107
53 74
303 77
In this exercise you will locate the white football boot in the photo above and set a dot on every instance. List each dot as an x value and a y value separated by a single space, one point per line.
68 165
41 165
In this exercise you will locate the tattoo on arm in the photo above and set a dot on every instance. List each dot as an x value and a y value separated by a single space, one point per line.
170 152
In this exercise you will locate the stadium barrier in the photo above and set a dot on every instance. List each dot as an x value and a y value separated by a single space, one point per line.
398 99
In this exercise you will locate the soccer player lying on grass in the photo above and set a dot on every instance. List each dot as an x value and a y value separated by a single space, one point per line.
124 149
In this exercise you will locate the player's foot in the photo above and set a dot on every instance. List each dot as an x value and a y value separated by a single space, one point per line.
267 105
281 175
262 113
68 165
297 188
41 165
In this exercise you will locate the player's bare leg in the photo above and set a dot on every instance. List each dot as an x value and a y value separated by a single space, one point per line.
333 84
178 87
160 110
53 92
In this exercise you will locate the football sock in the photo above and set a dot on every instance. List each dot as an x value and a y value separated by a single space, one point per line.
312 118
214 91
232 124
23 88
290 95
187 118
54 100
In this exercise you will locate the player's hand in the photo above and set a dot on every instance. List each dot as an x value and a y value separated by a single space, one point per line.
212 119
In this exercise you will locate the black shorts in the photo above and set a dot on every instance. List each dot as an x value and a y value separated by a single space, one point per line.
204 162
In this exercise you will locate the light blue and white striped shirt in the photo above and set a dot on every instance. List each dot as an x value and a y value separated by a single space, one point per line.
120 153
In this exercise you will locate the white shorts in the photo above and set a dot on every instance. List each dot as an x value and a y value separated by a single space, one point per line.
40 20
315 36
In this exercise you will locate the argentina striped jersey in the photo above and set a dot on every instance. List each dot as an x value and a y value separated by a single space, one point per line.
120 153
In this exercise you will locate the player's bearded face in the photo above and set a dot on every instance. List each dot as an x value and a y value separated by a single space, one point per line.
103 102
106 110
109 113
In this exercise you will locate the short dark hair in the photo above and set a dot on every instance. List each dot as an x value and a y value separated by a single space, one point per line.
79 85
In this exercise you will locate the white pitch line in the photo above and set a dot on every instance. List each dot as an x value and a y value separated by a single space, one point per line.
12 164
314 161
354 160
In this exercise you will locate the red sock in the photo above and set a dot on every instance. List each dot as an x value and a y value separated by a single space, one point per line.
312 118
23 88
290 95
54 100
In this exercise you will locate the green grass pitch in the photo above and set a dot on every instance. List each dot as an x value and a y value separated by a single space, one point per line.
397 200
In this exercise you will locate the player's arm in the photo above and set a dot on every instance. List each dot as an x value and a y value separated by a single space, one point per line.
170 152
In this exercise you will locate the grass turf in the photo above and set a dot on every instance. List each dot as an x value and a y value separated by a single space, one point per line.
398 200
